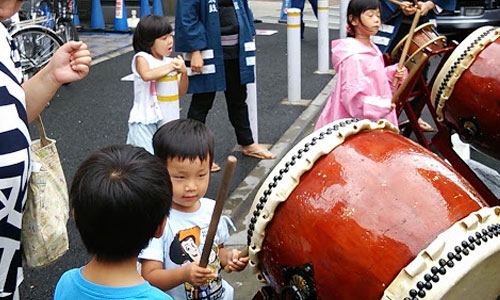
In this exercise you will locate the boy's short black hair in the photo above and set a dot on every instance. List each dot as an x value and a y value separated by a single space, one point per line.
184 139
119 195
148 29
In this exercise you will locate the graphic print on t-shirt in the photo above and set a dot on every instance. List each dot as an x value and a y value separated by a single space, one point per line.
186 248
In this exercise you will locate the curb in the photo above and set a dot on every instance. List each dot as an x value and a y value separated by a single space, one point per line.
238 203
109 55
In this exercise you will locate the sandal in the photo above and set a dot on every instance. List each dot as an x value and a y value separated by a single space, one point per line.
425 126
260 153
214 168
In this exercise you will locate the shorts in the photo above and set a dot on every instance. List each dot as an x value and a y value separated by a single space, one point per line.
141 135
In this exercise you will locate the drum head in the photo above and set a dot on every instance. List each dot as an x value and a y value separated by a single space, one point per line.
428 27
462 263
460 60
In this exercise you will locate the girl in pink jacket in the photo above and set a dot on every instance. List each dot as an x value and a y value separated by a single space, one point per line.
364 85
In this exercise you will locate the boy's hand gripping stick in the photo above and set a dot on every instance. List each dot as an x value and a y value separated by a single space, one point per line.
219 204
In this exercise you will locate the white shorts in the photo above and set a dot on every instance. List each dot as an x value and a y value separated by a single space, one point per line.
141 135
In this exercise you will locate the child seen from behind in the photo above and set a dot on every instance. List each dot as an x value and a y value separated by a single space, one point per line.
159 80
171 262
120 197
364 85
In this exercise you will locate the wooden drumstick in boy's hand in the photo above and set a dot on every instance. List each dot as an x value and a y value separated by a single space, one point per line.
219 204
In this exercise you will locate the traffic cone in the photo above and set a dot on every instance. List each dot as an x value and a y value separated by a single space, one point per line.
96 17
120 16
157 8
144 8
76 18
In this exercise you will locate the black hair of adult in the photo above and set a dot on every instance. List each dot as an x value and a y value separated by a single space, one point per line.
119 195
357 7
184 139
148 29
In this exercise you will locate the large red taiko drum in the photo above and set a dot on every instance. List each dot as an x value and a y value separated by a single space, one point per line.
466 92
356 211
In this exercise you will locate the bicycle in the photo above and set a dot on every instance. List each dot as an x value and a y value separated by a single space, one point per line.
39 30
59 15
55 14
36 45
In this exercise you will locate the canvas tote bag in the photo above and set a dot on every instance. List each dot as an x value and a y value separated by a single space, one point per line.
44 235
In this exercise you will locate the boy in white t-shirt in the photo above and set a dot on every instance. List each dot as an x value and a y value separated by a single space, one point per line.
171 262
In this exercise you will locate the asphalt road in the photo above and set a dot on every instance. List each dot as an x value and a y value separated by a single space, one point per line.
90 114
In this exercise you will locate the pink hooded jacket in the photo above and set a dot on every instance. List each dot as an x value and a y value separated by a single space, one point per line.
364 85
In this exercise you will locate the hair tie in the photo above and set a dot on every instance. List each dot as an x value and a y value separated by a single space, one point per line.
349 29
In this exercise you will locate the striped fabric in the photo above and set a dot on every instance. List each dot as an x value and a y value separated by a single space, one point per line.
167 94
229 40
14 164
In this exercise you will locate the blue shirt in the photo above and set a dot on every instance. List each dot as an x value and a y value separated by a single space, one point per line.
73 286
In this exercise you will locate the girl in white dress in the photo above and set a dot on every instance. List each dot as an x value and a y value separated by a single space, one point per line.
159 80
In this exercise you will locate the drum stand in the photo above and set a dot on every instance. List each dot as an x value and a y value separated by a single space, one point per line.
417 89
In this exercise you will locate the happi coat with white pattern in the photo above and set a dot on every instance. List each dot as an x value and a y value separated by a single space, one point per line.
197 27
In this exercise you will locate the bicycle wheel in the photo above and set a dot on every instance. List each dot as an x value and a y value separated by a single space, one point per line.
66 30
36 44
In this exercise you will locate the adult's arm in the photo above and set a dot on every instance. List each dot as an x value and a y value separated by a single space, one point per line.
446 4
388 9
71 62
249 16
190 32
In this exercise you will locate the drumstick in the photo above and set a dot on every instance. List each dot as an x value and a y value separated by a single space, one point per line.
219 204
396 2
407 44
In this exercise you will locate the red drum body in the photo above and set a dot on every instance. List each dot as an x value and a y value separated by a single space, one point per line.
466 93
352 206
425 36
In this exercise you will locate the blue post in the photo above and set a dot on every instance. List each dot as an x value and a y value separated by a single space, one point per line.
76 18
120 16
144 8
285 5
96 17
157 7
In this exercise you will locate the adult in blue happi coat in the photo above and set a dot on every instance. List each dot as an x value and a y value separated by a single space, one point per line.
217 39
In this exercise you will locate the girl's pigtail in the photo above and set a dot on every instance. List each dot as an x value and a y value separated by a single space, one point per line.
350 32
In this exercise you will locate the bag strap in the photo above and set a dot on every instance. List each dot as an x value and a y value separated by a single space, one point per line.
44 140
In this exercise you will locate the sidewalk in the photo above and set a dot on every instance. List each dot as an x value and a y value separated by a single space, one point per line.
270 12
